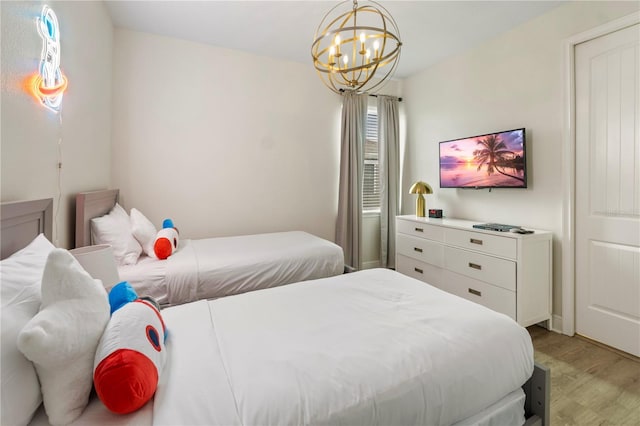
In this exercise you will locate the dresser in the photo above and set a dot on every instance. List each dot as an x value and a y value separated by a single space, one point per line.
507 272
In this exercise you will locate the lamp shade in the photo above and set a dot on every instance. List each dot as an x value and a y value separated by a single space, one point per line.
420 188
99 262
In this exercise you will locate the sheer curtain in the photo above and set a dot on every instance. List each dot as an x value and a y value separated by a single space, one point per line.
349 223
389 166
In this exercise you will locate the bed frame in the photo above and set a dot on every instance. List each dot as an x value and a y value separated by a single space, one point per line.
89 205
22 221
538 392
537 388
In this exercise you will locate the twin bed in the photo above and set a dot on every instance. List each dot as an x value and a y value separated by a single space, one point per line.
215 267
370 347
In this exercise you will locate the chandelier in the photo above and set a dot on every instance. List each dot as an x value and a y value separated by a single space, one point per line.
356 47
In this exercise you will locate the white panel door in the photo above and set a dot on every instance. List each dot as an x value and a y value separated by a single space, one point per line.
608 189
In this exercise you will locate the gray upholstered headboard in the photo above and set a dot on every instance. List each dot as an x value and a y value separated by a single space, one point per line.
22 221
89 205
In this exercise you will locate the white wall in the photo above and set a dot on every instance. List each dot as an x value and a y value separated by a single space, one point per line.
223 142
515 80
30 133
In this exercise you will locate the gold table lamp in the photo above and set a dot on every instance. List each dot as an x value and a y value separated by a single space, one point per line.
420 188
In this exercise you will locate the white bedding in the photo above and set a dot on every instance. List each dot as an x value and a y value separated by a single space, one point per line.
216 267
509 411
96 414
372 347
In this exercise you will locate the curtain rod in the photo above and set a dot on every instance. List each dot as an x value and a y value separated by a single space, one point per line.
370 94
375 96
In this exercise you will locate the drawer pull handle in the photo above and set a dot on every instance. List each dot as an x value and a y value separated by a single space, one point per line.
418 270
418 249
475 241
475 266
419 229
476 292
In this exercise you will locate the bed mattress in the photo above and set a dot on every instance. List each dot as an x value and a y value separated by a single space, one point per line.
508 411
214 267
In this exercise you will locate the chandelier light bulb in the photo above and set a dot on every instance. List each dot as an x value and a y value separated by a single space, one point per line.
332 55
363 37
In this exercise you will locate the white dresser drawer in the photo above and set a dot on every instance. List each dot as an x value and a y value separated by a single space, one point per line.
421 230
420 249
499 272
490 244
419 270
488 295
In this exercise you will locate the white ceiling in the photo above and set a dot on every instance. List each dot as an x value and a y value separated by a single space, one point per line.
430 30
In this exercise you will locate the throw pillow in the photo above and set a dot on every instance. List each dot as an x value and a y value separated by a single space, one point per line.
144 231
20 277
61 340
114 229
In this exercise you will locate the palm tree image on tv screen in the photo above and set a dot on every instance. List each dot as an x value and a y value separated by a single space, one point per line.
495 160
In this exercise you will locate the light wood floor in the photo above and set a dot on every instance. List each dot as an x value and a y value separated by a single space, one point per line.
590 384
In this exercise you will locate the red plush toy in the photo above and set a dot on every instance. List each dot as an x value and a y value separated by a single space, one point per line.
131 354
167 240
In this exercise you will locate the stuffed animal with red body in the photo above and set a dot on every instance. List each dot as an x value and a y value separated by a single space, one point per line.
167 240
131 354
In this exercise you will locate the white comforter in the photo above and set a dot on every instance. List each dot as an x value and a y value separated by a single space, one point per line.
216 267
372 347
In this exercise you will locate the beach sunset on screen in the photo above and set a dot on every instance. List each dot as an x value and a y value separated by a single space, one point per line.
491 160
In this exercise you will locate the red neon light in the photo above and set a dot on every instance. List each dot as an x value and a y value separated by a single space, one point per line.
50 91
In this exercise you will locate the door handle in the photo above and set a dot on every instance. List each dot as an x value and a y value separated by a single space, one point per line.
418 270
418 249
475 266
419 229
475 241
476 292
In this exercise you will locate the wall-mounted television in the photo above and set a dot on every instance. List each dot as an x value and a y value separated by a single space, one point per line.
494 160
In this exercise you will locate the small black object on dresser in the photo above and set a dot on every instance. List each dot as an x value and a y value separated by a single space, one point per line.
437 213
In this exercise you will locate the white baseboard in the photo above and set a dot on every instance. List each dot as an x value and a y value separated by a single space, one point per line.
556 323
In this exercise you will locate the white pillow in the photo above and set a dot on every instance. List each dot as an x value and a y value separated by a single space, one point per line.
20 277
114 229
62 338
144 231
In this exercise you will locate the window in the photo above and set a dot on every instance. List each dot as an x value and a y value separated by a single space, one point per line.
371 181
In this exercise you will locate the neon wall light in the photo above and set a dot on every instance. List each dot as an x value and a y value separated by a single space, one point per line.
49 84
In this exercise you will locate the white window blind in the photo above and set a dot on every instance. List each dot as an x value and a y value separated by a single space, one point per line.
371 182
